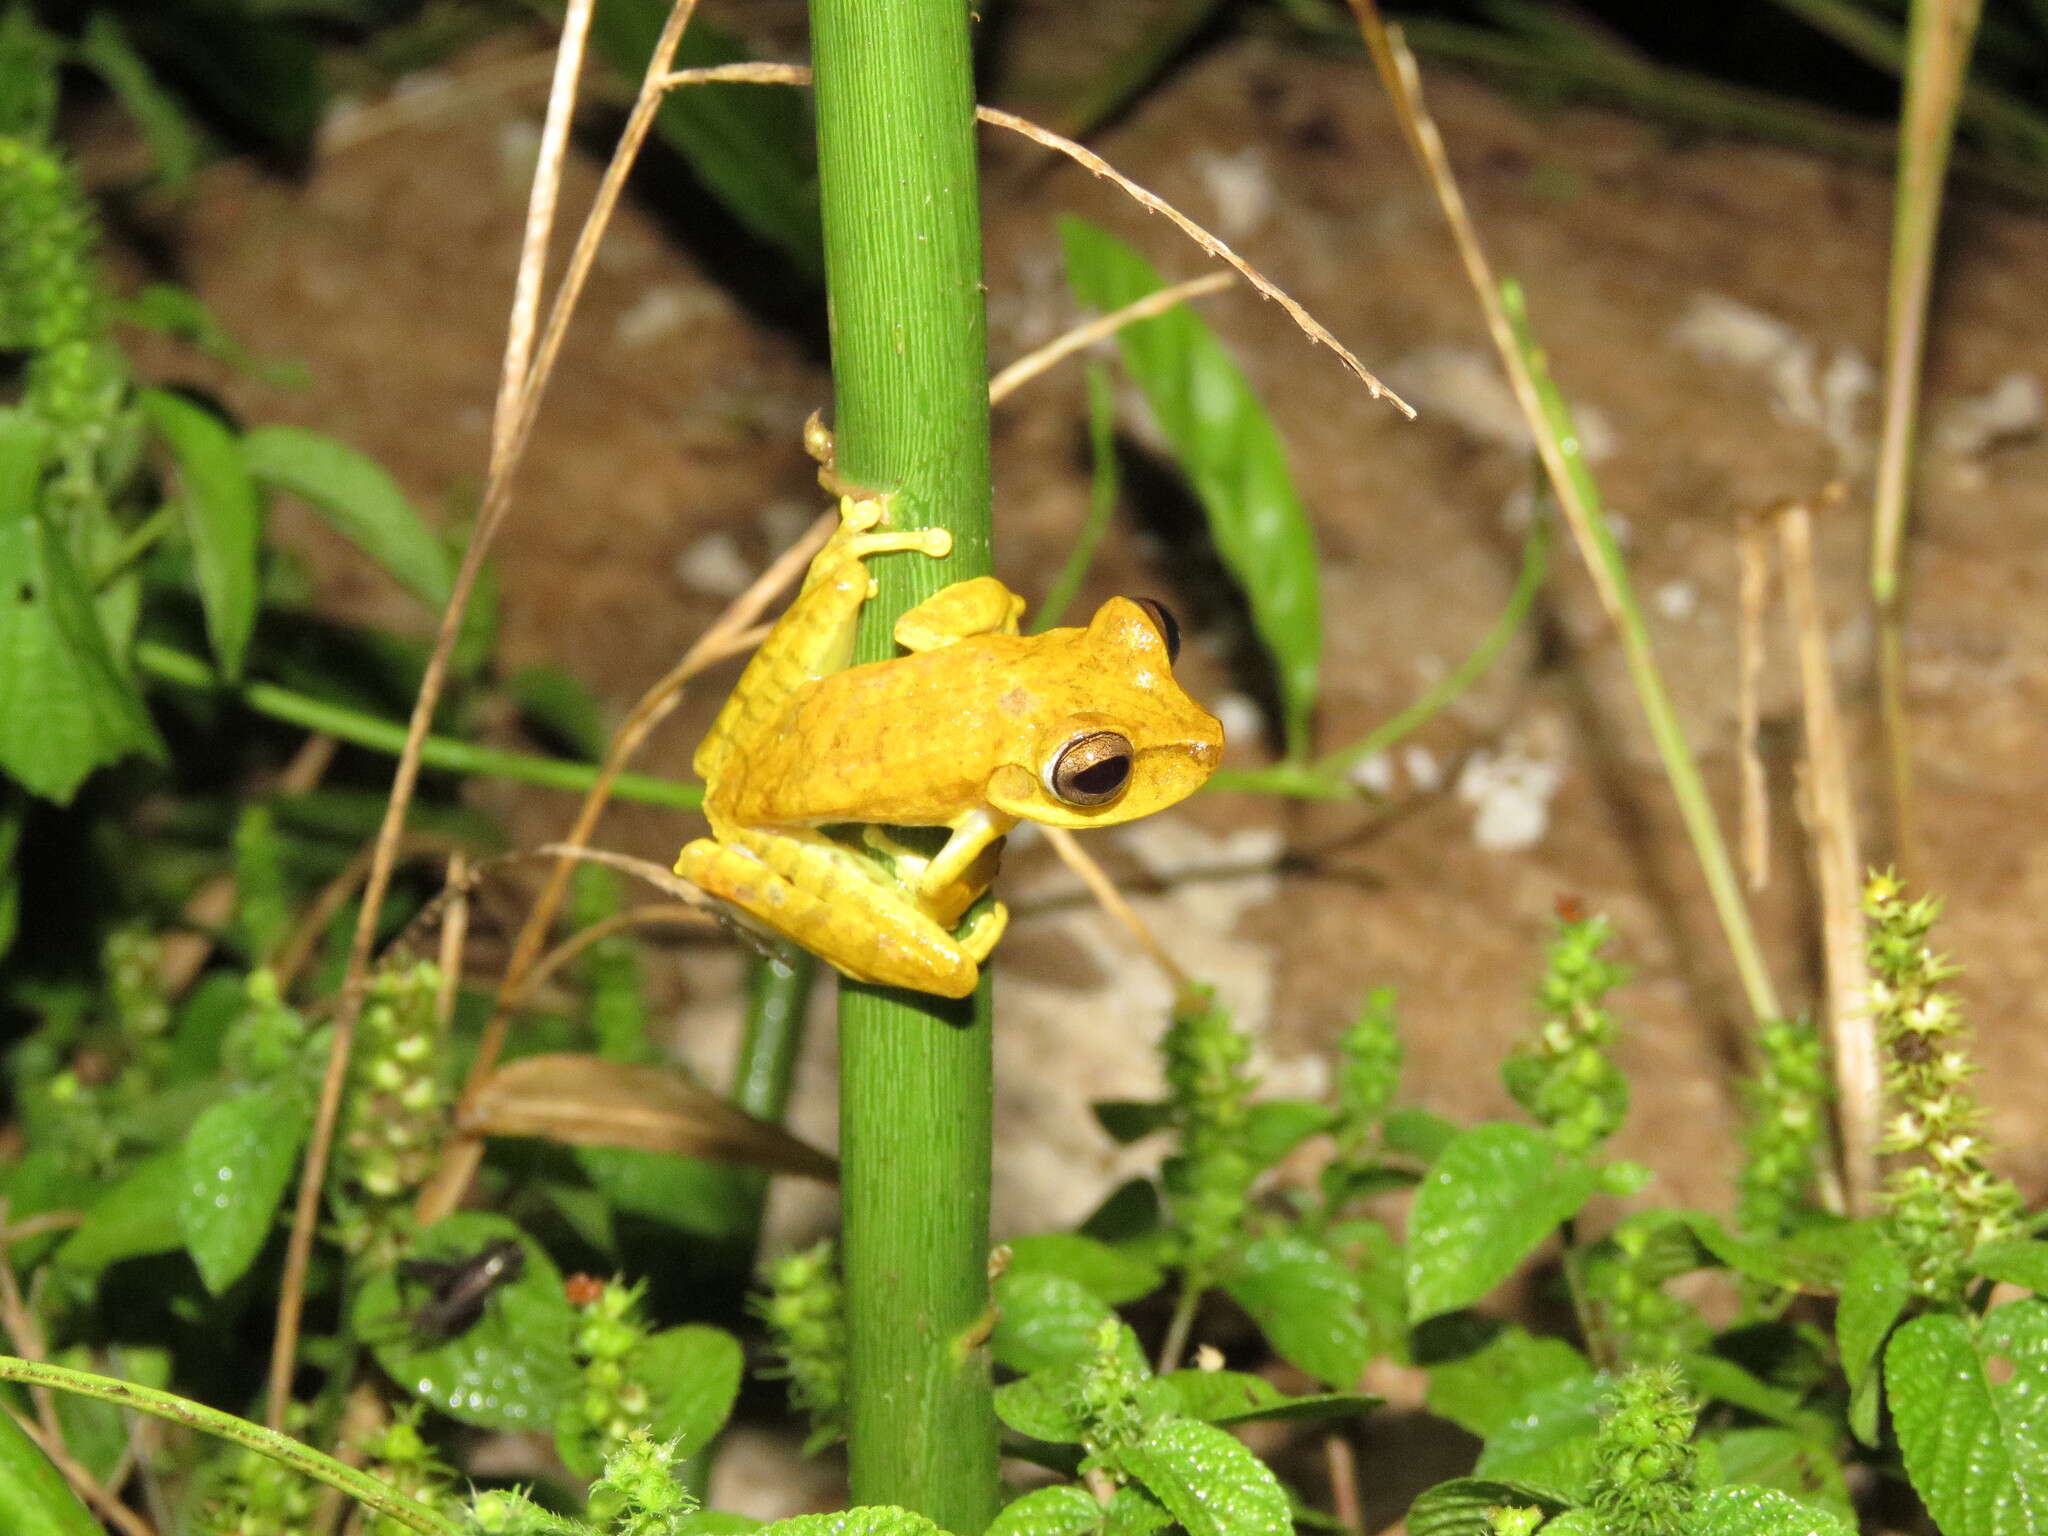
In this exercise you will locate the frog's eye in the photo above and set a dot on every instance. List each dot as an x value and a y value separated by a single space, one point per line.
1162 620
1091 769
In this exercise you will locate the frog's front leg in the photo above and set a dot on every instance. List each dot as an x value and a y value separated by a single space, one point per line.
829 899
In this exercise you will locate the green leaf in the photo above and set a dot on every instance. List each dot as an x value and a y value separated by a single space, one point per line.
557 705
1494 1195
1419 1133
1044 1320
715 1522
867 1520
223 516
1874 1293
1711 1376
1548 1443
37 1500
1227 446
1043 1405
139 1215
13 816
1307 1303
512 1368
686 1193
1761 1512
751 146
237 1162
174 142
1976 1449
1480 1391
1129 1120
1235 1397
1111 1275
65 708
1786 1460
693 1374
352 491
1459 1507
1061 1510
1816 1258
2017 1261
1275 1127
29 60
1133 1512
1208 1480
261 75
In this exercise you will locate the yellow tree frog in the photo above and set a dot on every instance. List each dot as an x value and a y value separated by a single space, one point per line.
976 728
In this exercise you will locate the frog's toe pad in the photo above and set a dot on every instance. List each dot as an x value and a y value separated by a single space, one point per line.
982 933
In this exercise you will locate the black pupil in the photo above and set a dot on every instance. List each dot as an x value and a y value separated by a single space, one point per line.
1163 620
1103 778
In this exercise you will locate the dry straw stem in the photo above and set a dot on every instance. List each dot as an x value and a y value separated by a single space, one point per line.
1830 812
1755 554
1094 164
1937 63
1112 901
518 407
1575 495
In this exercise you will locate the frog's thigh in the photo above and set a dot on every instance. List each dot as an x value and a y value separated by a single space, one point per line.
818 894
982 606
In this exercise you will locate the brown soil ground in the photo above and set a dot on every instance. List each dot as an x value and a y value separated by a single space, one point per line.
674 421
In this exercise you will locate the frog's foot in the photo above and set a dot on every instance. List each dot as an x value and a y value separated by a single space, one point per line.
982 933
815 893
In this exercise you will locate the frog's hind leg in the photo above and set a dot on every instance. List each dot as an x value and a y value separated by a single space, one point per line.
824 897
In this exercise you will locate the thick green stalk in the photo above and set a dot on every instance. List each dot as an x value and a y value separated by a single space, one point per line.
903 271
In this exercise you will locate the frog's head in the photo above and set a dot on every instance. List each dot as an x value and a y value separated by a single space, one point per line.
1117 738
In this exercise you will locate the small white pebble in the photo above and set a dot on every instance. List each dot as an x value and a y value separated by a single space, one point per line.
1511 794
1240 188
518 149
1208 1358
1677 600
1374 772
714 565
656 313
1242 719
1424 772
2011 408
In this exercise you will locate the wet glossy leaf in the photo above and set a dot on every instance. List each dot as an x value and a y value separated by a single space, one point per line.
1419 1133
1761 1512
1133 1512
65 707
1784 1459
1062 1510
1308 1304
1479 1392
353 492
1235 1397
1044 1320
223 516
1228 448
510 1369
1208 1480
1547 1442
237 1162
33 1494
1972 1418
868 1520
2018 1261
1041 1405
1111 1275
139 1215
692 1376
1459 1507
1494 1195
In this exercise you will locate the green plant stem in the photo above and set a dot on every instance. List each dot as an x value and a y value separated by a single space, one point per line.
1937 66
360 1486
145 533
778 994
900 200
1103 489
380 735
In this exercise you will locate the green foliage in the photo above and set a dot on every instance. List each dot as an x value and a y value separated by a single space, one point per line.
805 1311
1785 1140
1231 453
1564 1075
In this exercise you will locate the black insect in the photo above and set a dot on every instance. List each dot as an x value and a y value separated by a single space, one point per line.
458 1288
